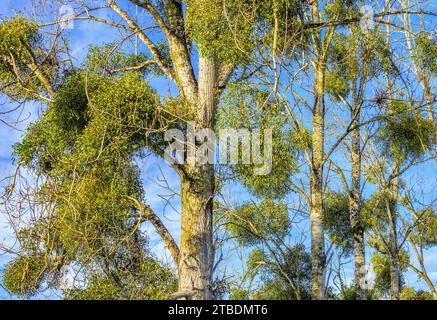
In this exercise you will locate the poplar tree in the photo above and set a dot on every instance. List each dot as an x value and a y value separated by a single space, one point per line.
206 25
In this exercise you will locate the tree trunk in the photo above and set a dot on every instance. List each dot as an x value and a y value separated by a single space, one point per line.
422 272
316 185
355 210
395 273
395 276
391 204
196 248
196 256
424 275
432 288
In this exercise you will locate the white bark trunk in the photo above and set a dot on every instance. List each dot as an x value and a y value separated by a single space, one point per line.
196 255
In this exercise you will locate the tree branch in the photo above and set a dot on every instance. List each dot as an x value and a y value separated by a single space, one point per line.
160 228
149 43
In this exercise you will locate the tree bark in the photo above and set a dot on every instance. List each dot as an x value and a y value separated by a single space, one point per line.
430 284
196 255
395 273
355 208
422 271
395 277
316 185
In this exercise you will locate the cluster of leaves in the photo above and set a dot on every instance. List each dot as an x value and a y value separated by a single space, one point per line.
375 207
53 136
426 48
21 52
381 267
111 59
287 279
405 134
350 293
296 265
231 30
214 26
250 223
84 146
123 284
362 53
425 231
409 293
336 220
282 272
23 276
346 9
251 108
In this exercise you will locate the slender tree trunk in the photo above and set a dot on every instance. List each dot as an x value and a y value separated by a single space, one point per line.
431 287
391 204
430 284
316 185
424 274
196 256
422 271
355 209
395 274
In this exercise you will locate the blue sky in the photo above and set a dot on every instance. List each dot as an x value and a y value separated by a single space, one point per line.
81 36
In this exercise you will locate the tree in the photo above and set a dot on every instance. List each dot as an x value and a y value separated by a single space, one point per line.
406 137
420 228
76 200
355 59
283 269
180 26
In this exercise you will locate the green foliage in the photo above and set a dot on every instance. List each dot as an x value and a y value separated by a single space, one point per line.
110 59
23 276
281 272
381 267
53 136
133 286
251 222
16 34
239 294
295 263
409 293
213 28
97 289
336 220
89 115
250 107
337 84
339 8
426 52
231 30
405 134
84 147
375 208
376 171
353 56
22 50
425 232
